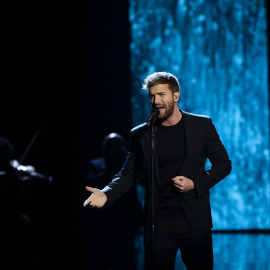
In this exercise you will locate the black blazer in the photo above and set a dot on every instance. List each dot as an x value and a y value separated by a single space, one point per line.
202 142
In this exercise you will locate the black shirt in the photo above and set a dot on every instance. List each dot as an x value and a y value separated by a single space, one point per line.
170 148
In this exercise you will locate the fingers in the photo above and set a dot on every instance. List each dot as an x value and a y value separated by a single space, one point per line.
180 186
183 183
97 198
90 189
180 178
88 201
179 183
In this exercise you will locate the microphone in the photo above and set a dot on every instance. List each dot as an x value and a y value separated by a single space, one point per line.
153 116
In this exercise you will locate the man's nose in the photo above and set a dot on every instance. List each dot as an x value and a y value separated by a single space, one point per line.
156 100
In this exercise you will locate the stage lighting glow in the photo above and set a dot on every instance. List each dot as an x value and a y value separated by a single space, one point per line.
219 52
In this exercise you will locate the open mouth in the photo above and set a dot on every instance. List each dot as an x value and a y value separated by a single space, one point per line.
161 109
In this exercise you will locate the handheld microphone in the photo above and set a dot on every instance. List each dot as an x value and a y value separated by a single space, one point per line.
153 116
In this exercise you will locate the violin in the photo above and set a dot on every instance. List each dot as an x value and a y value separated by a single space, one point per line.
27 172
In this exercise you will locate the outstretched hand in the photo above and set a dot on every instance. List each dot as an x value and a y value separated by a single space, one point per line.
97 198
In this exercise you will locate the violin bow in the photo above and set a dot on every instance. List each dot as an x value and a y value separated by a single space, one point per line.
30 145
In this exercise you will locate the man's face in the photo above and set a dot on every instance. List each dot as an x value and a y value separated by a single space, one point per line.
164 99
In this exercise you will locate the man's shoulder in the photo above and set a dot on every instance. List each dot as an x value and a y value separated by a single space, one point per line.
139 132
139 128
195 116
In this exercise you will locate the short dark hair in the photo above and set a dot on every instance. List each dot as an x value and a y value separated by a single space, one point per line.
161 78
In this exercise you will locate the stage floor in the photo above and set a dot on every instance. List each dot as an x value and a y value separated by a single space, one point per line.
232 251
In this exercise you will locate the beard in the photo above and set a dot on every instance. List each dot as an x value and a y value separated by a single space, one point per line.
169 108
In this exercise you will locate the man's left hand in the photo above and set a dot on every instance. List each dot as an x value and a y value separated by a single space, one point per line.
183 183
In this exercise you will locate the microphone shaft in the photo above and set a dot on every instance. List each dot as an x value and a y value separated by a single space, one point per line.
152 118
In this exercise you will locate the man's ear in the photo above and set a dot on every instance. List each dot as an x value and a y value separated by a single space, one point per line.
176 96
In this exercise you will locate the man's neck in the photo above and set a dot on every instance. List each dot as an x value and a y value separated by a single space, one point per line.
174 118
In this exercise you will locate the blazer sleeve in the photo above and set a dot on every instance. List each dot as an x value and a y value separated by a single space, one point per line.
218 156
126 177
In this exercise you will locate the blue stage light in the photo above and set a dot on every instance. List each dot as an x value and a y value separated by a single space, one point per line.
219 52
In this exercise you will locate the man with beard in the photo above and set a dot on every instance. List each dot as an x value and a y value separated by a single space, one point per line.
177 205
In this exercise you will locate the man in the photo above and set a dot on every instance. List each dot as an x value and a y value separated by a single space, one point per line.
182 214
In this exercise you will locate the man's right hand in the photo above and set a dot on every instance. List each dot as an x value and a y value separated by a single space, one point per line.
97 198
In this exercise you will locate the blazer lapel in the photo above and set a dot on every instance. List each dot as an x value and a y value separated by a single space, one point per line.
188 130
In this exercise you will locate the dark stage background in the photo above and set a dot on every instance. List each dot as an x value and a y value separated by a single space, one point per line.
65 77
65 74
